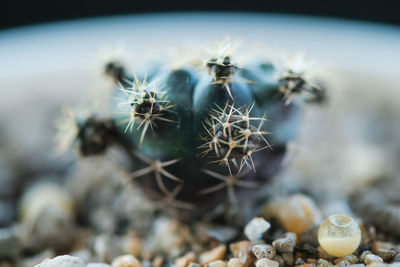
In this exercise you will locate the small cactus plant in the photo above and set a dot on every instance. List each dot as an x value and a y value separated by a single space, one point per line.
201 136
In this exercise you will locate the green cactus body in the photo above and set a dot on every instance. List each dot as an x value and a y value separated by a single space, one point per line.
198 139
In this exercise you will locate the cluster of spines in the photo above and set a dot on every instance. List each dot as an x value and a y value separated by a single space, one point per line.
146 103
231 135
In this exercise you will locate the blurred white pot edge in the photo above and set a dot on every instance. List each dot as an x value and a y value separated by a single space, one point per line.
344 44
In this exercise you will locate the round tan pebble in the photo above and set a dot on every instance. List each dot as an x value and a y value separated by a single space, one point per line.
372 258
218 263
264 262
126 261
339 235
234 262
298 214
217 253
185 260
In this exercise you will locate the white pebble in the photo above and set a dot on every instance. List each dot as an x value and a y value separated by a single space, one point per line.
62 261
255 228
126 261
264 262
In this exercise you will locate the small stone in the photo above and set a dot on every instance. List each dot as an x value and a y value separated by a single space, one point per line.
242 251
37 258
358 265
168 236
310 236
264 262
299 213
158 261
370 258
217 253
364 254
307 265
343 264
288 258
256 228
185 260
222 234
285 244
107 247
311 260
126 261
299 262
280 260
263 251
234 262
62 261
385 254
339 235
132 244
193 264
218 263
97 264
397 257
352 259
323 263
382 245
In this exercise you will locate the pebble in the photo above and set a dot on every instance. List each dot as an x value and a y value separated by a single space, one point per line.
280 260
126 261
288 258
217 253
234 262
385 254
97 264
370 258
339 235
158 261
299 213
310 236
62 261
168 236
43 196
285 244
222 234
397 257
185 260
264 262
343 263
307 265
323 263
193 264
352 259
218 263
107 247
37 258
263 251
242 251
364 254
299 262
256 228
382 245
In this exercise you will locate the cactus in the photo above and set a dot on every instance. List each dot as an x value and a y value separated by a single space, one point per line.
202 136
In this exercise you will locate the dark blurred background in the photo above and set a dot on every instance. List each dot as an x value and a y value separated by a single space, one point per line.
25 12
